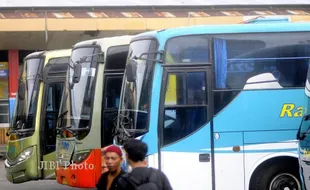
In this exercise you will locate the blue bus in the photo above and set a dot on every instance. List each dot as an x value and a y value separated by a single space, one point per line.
220 105
303 136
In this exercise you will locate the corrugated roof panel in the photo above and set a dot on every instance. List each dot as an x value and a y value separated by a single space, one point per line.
124 3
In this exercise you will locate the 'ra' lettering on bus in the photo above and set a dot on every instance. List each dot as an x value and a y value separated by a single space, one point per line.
290 110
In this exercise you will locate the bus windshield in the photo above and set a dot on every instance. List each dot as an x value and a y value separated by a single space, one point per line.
77 98
134 104
26 103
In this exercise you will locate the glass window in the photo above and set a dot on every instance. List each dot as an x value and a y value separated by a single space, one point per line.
59 60
134 107
261 61
52 109
113 91
28 88
116 58
78 97
248 61
112 99
185 105
190 49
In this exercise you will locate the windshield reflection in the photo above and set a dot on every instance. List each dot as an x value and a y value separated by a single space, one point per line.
134 107
26 101
77 98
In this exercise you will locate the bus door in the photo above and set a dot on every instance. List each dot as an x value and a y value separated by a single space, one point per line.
51 100
184 127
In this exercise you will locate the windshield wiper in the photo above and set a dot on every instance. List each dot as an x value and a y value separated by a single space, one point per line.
8 133
62 114
74 130
80 129
67 128
20 130
61 117
120 130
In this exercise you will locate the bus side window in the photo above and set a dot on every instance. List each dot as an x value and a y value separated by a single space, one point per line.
52 108
238 60
113 91
111 103
260 62
185 105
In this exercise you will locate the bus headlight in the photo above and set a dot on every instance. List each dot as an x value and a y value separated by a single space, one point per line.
79 157
24 155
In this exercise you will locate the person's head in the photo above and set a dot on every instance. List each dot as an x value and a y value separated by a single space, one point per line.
113 157
136 151
104 167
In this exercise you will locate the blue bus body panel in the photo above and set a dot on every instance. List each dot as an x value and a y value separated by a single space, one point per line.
263 122
260 110
261 107
256 115
151 136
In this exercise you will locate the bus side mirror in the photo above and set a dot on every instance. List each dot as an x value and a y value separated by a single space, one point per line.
131 69
77 73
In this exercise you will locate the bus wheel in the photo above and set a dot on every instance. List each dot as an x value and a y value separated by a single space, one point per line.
278 176
285 181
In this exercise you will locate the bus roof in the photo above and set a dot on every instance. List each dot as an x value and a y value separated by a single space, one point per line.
49 54
105 43
140 3
164 35
56 53
34 55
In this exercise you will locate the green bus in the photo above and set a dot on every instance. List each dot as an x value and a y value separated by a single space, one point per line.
30 153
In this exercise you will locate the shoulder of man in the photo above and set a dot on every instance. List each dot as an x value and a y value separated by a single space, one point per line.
133 179
102 180
123 182
155 176
162 179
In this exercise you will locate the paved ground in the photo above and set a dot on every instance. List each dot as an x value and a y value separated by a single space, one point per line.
35 185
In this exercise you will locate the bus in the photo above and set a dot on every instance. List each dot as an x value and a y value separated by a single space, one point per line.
303 137
32 133
89 109
219 103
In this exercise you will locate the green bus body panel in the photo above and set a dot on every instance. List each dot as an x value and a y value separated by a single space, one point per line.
49 165
15 147
92 140
24 171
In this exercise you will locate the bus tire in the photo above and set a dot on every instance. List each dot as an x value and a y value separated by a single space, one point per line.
277 175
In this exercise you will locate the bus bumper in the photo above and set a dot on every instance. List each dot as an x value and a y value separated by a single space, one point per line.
20 172
82 175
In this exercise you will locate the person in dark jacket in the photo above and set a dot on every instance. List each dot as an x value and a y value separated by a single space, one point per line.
141 175
113 160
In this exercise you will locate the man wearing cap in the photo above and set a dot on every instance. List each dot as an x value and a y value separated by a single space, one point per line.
113 159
